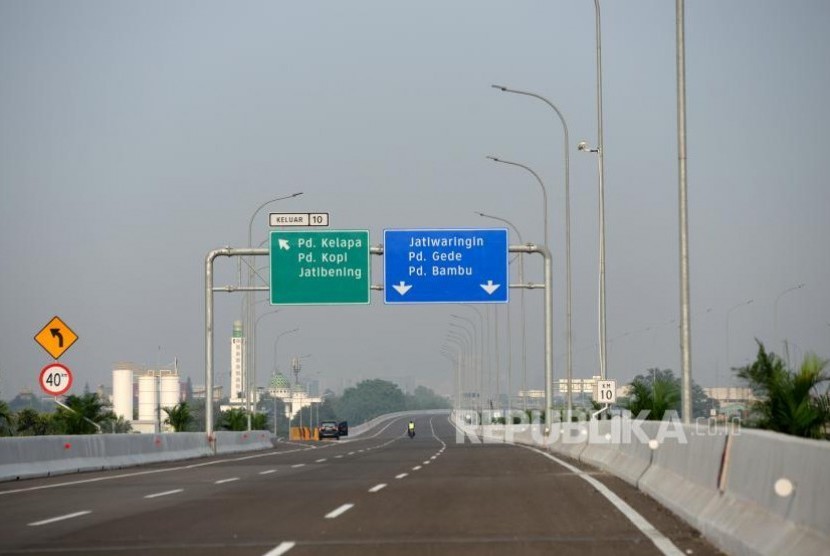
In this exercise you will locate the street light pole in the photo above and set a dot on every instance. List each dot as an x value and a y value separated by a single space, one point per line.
522 305
728 312
472 348
541 184
568 329
249 359
775 306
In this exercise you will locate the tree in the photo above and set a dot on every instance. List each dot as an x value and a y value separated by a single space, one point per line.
425 398
179 416
656 395
259 422
6 419
85 413
234 419
658 391
788 401
32 423
369 399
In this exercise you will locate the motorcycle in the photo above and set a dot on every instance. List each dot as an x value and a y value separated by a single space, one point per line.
411 433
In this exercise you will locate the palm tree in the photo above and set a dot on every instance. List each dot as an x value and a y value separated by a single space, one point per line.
788 401
32 423
179 416
657 395
6 417
85 415
235 419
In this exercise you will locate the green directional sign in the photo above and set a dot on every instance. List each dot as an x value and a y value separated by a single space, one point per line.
325 267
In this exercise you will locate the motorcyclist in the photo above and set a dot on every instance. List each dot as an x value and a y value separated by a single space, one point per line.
411 428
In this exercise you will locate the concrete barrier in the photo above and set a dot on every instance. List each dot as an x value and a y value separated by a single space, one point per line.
683 475
228 442
751 517
39 456
43 456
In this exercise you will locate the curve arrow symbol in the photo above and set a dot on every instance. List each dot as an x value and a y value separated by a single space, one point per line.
56 333
402 288
284 244
490 287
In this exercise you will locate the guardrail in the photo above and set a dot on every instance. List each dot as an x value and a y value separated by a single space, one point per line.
747 491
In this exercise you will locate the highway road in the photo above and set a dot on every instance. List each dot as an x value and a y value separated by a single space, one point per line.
380 493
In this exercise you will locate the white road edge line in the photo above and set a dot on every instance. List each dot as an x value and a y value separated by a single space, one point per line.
401 476
281 548
662 543
165 493
223 481
339 511
376 488
59 518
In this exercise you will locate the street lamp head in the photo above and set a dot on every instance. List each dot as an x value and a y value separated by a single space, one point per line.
493 158
583 146
499 87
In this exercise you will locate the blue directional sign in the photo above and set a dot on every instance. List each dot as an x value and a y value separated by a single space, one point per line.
446 266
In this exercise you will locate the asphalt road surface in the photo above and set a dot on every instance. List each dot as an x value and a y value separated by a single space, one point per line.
380 493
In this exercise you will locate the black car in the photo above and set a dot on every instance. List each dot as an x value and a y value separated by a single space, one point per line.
343 427
329 429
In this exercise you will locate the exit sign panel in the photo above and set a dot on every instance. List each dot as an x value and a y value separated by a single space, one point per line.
328 267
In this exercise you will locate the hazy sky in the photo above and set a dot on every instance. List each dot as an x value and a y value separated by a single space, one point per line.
137 136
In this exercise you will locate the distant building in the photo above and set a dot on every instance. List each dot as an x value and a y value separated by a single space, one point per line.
295 398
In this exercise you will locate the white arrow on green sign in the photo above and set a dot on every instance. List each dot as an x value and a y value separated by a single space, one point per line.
327 267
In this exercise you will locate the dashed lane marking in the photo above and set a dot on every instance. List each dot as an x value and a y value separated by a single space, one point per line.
59 518
165 493
281 549
339 511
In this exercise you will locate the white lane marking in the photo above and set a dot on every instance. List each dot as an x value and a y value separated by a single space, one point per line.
401 476
350 453
281 549
426 462
165 493
298 465
339 511
153 471
377 487
268 472
223 481
59 518
660 541
360 451
434 457
321 460
338 457
417 467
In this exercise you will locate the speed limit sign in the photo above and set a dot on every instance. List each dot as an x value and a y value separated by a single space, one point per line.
55 379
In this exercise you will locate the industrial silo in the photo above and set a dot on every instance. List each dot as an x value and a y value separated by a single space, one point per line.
147 397
169 389
122 393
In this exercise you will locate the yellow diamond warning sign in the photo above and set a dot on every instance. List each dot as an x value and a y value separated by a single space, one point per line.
56 337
